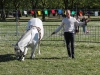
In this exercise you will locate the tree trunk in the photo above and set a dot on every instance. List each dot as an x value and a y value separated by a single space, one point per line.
43 15
34 4
66 4
43 11
3 18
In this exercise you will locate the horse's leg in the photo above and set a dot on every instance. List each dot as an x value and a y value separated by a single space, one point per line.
25 52
23 58
39 48
33 50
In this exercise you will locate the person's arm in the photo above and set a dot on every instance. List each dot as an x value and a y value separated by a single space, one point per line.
58 29
81 23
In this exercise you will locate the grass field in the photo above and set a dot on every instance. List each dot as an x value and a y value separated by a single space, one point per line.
53 59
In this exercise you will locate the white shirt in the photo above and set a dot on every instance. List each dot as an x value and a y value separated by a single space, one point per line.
69 24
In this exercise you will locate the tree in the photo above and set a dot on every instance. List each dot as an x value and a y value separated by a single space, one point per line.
43 5
2 3
34 4
66 4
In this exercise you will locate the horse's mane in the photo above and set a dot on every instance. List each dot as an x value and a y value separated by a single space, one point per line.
24 35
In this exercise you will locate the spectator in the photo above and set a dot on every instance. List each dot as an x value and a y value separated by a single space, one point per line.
80 13
77 27
84 26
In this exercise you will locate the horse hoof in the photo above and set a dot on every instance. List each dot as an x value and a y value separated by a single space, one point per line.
39 53
31 57
22 60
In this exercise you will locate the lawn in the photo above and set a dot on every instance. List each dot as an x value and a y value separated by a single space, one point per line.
53 59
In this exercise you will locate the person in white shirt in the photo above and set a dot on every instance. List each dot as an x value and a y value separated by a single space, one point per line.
69 29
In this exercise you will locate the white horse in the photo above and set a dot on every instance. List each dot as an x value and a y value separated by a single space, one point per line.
32 37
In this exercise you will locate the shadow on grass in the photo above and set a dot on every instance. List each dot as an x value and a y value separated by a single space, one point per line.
7 57
49 58
53 44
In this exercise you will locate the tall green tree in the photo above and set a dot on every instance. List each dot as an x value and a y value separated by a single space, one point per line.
2 3
66 4
43 6
34 4
17 4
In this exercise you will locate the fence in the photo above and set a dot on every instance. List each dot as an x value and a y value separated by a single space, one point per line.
8 34
92 36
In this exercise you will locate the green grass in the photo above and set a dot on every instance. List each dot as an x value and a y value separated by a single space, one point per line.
53 59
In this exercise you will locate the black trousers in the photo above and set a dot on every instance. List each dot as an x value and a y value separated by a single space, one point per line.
69 38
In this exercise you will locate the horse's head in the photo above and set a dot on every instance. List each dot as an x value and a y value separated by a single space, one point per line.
18 52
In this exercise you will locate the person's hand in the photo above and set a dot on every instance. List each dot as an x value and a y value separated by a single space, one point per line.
76 31
53 33
87 21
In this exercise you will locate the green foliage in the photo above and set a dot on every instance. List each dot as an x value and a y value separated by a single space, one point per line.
50 4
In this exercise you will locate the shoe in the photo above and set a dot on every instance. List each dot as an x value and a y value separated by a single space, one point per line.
73 57
68 57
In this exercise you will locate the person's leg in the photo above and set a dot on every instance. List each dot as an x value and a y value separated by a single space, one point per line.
72 45
78 28
67 39
84 29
